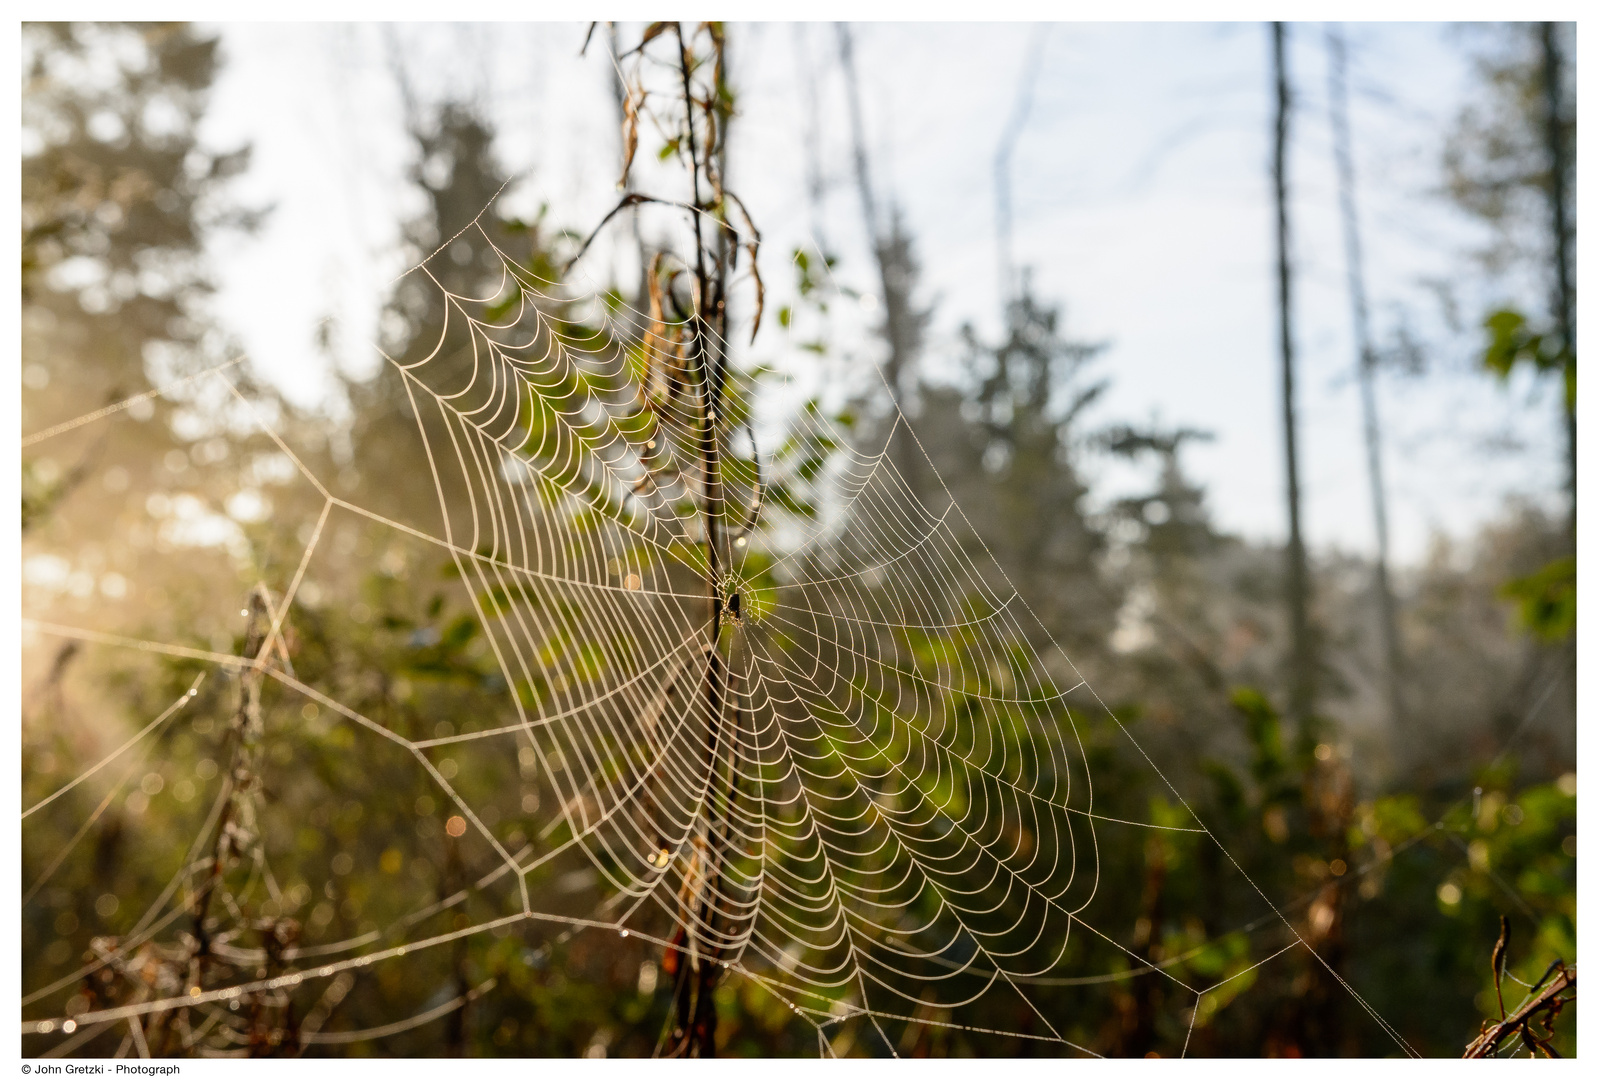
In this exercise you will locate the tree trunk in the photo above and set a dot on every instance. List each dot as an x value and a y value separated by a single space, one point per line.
1558 196
1387 609
1003 219
1301 668
897 272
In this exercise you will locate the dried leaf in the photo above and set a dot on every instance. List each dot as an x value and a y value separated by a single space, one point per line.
629 131
654 335
1500 956
653 31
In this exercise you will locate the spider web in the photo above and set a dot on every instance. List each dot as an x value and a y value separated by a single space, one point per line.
862 782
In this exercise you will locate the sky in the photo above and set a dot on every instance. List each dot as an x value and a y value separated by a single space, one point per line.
1141 205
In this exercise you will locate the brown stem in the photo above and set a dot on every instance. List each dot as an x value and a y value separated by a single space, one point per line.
1543 1005
242 735
695 1005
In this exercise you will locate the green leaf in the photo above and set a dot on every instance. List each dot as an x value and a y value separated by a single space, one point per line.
1512 342
1508 342
1264 731
1228 791
459 633
1547 599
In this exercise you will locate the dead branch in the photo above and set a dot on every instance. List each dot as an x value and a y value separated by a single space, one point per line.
1533 1021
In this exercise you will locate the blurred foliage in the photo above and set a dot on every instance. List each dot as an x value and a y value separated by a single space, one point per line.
118 195
1512 343
1547 599
1496 164
1503 165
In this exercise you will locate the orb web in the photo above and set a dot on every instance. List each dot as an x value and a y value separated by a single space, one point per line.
859 780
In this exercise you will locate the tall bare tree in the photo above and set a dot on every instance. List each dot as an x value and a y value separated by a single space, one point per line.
1002 186
815 177
1343 147
1559 164
903 327
1301 668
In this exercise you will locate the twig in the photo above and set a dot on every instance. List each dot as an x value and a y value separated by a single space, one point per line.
634 198
1500 956
1542 1008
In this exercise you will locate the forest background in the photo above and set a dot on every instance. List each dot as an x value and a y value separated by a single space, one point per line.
1452 796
